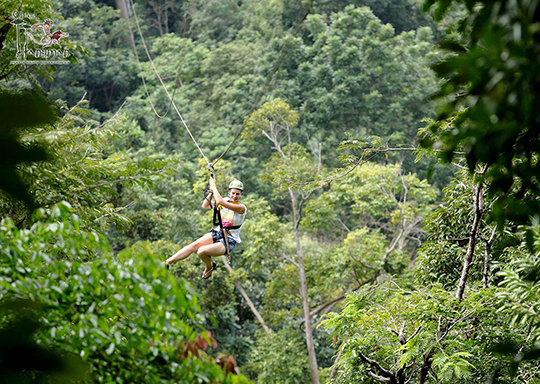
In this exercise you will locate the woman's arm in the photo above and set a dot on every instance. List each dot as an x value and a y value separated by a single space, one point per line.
238 208
206 202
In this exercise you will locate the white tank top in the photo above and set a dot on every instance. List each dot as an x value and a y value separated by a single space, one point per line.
230 218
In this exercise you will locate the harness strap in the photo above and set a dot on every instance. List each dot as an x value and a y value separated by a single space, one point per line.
233 227
220 223
217 220
223 230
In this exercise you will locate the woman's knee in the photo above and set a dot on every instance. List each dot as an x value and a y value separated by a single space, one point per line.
211 250
199 243
201 251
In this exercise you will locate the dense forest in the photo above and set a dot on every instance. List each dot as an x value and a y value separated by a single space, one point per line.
389 152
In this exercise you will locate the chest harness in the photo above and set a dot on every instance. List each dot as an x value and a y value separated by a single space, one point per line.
223 231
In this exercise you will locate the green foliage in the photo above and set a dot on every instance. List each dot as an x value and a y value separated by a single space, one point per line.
496 78
82 169
520 296
20 111
401 330
377 196
454 366
345 75
101 71
280 357
441 256
289 172
215 20
130 320
359 77
273 117
403 15
22 360
264 233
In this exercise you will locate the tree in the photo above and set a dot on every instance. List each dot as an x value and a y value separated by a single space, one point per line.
356 76
396 333
100 310
489 93
289 165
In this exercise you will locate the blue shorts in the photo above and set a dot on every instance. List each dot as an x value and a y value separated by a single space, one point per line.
232 243
216 236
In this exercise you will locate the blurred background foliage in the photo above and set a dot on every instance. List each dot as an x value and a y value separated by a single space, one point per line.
96 190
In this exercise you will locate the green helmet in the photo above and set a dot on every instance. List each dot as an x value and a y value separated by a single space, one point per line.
236 184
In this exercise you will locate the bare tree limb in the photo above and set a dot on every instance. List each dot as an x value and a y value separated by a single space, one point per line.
473 234
414 334
389 377
290 260
460 166
342 296
335 366
344 225
246 297
379 378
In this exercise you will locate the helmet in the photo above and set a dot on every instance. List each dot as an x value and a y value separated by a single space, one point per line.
236 184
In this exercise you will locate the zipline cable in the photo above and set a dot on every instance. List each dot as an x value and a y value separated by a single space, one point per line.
294 29
162 83
152 105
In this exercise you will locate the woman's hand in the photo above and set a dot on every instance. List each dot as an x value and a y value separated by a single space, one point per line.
217 196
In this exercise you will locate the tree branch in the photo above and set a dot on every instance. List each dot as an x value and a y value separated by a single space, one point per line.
426 366
290 260
389 377
246 297
335 366
341 297
473 235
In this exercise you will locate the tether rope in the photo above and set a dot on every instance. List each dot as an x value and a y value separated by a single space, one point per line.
132 40
277 64
293 31
162 83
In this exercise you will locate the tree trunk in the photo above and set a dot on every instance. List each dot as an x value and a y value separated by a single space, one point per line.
425 368
123 6
473 237
304 293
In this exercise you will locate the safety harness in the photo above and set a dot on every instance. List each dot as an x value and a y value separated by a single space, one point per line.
223 231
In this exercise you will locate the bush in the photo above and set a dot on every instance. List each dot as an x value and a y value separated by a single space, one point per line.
130 320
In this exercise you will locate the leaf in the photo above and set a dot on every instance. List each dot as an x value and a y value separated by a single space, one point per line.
20 111
452 45
110 349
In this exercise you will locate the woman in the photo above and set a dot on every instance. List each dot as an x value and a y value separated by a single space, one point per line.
233 215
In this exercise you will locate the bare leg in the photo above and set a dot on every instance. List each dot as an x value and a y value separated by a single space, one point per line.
207 251
206 240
